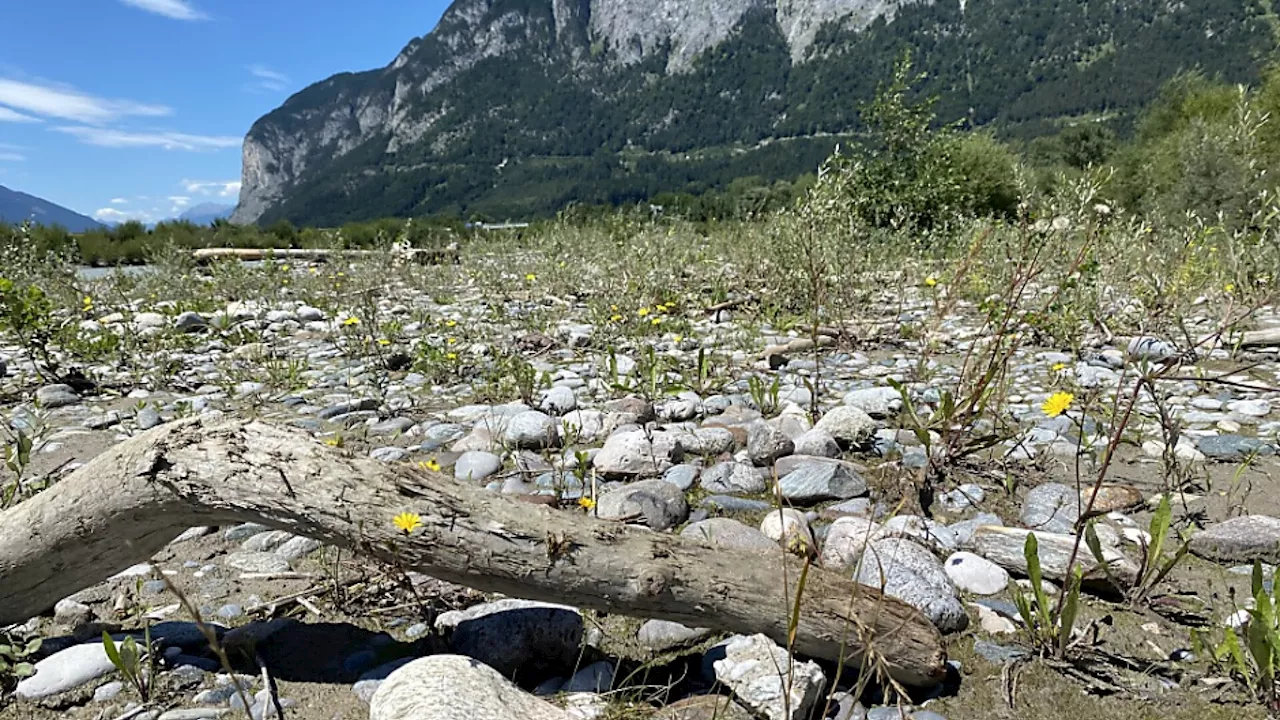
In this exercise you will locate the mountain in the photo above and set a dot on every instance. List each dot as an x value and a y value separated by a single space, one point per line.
515 108
18 206
205 213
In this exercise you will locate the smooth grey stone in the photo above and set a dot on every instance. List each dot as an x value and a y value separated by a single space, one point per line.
108 691
558 401
848 425
297 547
391 426
963 530
638 453
388 454
661 635
1232 447
65 670
732 477
876 402
815 482
230 611
964 497
347 407
594 678
726 532
476 465
189 321
766 444
1240 540
729 503
682 476
56 396
997 653
658 503
192 714
707 442
975 574
369 682
258 562
817 443
1051 507
532 430
102 422
447 687
914 575
516 635
267 541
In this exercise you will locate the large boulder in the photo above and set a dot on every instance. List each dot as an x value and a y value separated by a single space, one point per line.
657 503
916 576
452 687
516 635
637 453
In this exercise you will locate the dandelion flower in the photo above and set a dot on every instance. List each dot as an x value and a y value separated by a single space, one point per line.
450 323
353 320
587 503
677 339
1229 287
1057 404
530 277
642 311
1059 367
431 465
656 321
616 318
451 341
931 281
451 356
384 342
284 268
88 301
407 522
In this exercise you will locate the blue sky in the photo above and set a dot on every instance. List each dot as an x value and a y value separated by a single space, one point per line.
137 108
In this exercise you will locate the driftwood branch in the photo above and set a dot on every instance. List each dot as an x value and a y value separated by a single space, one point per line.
131 501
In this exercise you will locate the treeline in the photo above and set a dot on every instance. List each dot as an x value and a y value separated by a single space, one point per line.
132 242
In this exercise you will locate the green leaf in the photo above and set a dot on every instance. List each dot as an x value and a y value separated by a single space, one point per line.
109 646
1257 579
1260 646
1024 609
32 647
1231 648
24 669
1159 528
1070 608
1031 551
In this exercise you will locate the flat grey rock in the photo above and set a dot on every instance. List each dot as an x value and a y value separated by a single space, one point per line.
766 444
258 562
848 425
531 430
637 453
663 635
657 503
732 477
974 574
1240 540
815 482
1051 507
476 465
726 532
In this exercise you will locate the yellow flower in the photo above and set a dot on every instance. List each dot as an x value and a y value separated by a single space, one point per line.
384 342
353 320
431 465
450 323
616 318
586 503
313 270
333 442
1229 287
284 268
678 339
88 300
656 321
931 281
451 356
661 308
642 311
613 308
1057 404
1059 367
451 341
407 522
530 277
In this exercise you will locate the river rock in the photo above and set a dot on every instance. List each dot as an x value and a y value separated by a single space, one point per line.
817 481
1005 547
559 400
531 430
732 477
975 574
657 503
846 540
765 680
914 575
848 425
726 532
1232 448
476 465
637 453
766 443
452 687
65 670
789 528
1240 540
703 707
56 396
662 635
1051 507
817 443
877 402
516 635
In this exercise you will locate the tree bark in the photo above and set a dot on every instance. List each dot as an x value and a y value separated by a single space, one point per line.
131 501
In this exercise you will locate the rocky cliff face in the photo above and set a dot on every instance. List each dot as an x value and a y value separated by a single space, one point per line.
515 106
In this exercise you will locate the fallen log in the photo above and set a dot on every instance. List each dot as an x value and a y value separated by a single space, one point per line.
132 500
420 255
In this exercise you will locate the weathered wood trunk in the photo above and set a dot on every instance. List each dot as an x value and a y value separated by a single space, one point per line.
421 255
132 500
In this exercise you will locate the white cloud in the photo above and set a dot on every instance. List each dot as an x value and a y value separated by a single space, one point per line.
117 201
7 115
109 137
175 9
12 157
112 215
218 188
70 104
179 200
266 79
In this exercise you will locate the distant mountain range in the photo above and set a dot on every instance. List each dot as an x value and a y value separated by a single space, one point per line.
18 206
205 213
517 108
